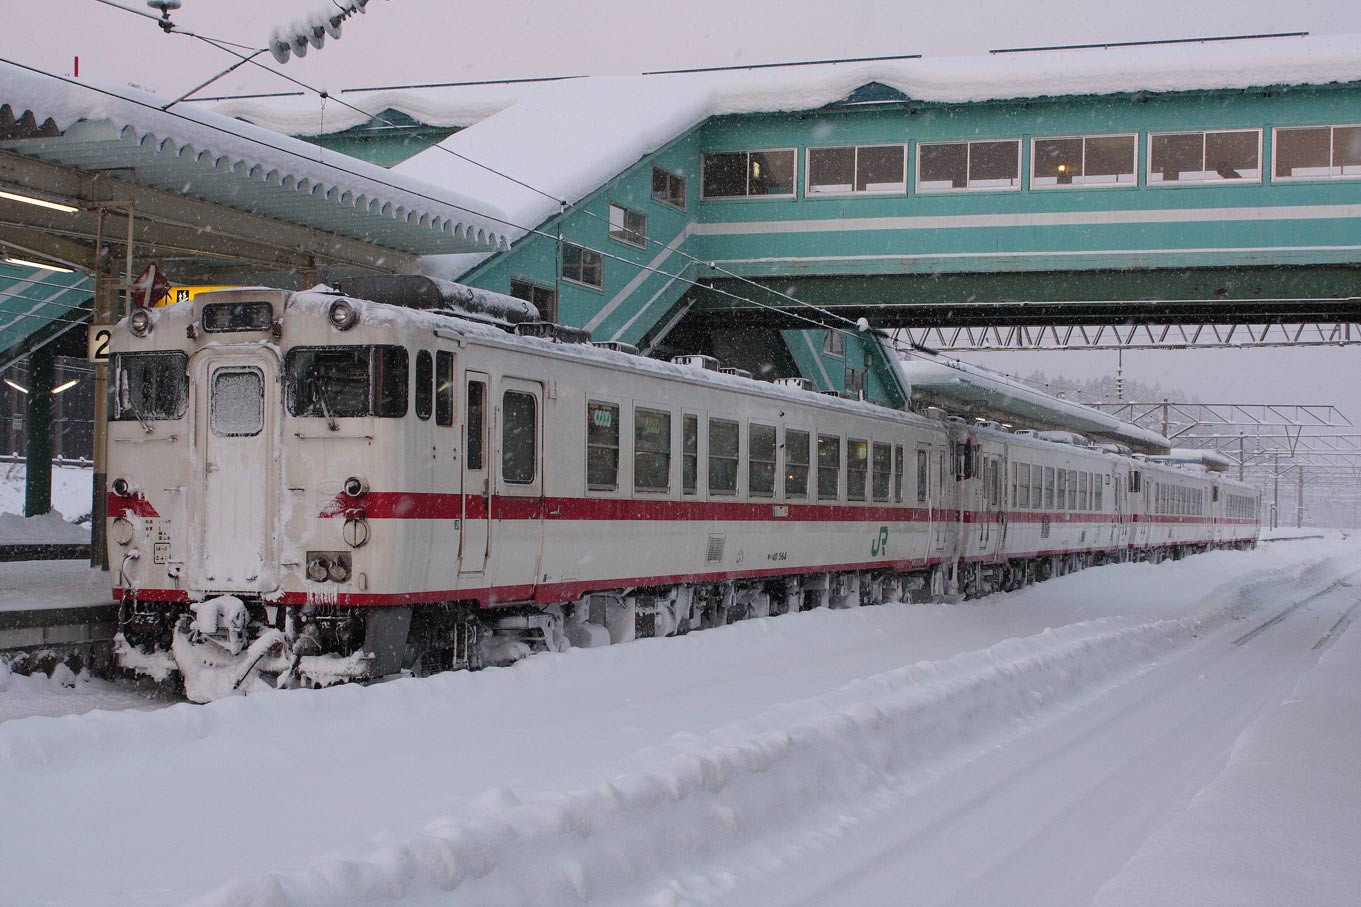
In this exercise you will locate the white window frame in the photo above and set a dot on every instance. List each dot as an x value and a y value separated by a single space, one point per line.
855 170
1133 162
1304 179
609 231
704 162
1218 180
968 143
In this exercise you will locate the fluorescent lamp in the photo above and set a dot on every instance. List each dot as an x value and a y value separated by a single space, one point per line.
65 385
18 387
40 202
10 259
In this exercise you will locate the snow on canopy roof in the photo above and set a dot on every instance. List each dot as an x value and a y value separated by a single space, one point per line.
976 390
569 137
210 156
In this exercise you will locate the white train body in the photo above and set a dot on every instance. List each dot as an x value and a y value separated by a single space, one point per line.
407 487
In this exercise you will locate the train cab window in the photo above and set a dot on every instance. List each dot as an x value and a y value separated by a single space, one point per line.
425 385
760 460
857 465
922 476
829 467
148 386
881 471
899 465
795 464
346 381
602 446
519 437
1021 496
690 454
723 456
444 388
477 404
651 450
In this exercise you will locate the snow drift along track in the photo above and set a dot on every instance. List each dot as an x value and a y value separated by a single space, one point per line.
600 776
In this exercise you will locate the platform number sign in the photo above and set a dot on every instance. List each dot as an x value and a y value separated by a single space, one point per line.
97 342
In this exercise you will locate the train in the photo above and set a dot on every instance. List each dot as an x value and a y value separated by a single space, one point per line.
405 474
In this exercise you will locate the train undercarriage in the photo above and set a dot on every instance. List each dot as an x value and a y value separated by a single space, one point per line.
228 645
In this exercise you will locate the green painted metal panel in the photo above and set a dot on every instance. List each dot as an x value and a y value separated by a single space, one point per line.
36 305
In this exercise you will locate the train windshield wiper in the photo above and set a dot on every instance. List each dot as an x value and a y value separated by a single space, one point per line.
125 399
319 394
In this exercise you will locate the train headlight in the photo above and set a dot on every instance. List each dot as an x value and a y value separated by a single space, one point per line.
342 315
355 486
122 488
318 568
139 322
121 531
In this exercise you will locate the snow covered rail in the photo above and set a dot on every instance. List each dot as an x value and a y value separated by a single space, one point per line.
42 635
44 551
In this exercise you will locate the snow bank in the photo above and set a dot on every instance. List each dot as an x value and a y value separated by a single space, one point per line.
70 498
591 775
1279 825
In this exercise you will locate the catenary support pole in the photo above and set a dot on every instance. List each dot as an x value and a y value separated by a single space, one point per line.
42 368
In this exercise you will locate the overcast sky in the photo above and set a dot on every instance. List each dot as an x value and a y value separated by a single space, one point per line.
405 41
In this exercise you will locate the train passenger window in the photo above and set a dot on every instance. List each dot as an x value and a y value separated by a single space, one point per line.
1036 487
994 484
1063 489
921 476
346 381
829 467
1136 478
1049 488
761 460
689 454
519 437
602 446
425 390
1098 481
651 450
1072 489
795 464
723 456
1083 490
881 471
238 402
477 398
1021 496
857 464
899 464
444 388
149 386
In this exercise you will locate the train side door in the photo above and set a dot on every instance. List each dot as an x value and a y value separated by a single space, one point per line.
518 486
475 540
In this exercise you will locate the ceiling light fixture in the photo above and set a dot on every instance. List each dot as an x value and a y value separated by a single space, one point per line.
18 387
40 202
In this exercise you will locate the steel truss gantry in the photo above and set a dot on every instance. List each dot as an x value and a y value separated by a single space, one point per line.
1036 338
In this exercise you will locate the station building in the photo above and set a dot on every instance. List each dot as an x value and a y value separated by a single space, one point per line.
688 212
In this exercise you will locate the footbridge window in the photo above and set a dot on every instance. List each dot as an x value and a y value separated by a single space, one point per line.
859 168
1318 152
1094 160
1205 157
738 174
994 164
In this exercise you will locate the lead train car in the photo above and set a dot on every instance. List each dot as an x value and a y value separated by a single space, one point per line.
323 488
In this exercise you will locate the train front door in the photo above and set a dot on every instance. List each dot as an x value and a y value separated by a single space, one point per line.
474 541
236 399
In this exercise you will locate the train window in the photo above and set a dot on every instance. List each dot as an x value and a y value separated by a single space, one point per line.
1049 488
881 471
444 388
238 402
602 446
1201 157
225 317
1136 481
761 460
899 464
425 379
857 464
519 437
1021 496
1098 481
1072 489
1063 489
1083 489
690 454
651 450
829 467
149 386
1036 487
346 381
723 456
921 476
795 464
477 402
995 483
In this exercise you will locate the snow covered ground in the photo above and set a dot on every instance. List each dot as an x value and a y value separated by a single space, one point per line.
1035 748
70 501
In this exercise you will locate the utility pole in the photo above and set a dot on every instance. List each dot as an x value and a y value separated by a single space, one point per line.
1275 489
1299 501
1164 417
1240 456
